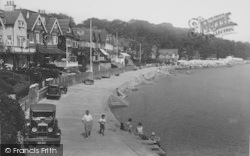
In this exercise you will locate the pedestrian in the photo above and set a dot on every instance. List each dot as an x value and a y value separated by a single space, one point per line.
102 122
129 125
139 129
155 139
88 123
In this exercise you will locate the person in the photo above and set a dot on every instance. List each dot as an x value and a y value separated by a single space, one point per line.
102 122
88 123
139 129
129 125
155 139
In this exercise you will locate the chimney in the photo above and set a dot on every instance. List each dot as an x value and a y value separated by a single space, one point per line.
10 6
41 11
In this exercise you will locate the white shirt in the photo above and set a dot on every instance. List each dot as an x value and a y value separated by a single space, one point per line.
87 117
102 121
139 129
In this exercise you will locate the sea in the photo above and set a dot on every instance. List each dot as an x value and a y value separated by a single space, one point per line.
204 112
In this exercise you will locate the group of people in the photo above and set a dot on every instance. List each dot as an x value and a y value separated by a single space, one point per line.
88 124
139 132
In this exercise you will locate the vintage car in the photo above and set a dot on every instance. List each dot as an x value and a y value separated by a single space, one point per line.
54 91
42 126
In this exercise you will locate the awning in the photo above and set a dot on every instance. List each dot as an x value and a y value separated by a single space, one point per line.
104 52
125 54
51 51
116 64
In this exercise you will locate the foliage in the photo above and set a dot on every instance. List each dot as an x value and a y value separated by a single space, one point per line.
12 83
165 35
64 16
11 120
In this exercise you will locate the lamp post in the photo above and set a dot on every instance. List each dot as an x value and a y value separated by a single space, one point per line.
140 53
90 57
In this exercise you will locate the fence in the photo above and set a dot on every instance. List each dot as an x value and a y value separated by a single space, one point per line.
72 79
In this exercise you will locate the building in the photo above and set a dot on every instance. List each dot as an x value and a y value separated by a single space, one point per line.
168 55
15 48
68 42
101 59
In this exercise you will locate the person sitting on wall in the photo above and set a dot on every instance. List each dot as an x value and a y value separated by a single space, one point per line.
155 139
120 94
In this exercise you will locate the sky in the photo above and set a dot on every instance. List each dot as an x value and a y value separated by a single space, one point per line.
177 12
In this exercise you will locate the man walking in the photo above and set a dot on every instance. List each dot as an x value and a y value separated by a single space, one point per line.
88 123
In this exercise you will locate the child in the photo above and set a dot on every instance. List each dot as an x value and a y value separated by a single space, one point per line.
129 125
102 124
139 129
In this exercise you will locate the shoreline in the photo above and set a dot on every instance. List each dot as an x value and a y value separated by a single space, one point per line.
183 71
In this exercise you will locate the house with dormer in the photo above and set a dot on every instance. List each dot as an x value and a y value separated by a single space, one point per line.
16 51
68 42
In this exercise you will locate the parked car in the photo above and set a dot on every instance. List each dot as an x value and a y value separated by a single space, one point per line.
42 126
54 90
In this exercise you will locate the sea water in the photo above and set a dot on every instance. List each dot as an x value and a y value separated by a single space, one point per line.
206 112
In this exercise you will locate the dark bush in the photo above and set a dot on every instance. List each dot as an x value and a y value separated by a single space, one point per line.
11 119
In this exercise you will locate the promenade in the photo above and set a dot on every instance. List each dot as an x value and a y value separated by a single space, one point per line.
72 106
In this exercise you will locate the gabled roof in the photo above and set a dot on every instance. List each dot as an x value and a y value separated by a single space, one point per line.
25 12
50 24
168 51
33 20
84 34
64 24
11 17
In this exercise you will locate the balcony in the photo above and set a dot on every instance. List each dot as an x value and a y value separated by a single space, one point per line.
16 49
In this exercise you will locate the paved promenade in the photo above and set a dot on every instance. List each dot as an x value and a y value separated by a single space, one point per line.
71 107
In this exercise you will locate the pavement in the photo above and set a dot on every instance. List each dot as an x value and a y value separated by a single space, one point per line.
72 106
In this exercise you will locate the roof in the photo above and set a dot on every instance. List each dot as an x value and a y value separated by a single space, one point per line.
43 107
84 34
125 54
31 21
25 12
50 24
11 17
104 52
64 24
168 51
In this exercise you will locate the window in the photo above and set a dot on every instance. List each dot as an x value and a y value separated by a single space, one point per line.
39 22
43 20
55 40
28 15
31 38
37 38
21 24
18 41
1 38
68 30
9 40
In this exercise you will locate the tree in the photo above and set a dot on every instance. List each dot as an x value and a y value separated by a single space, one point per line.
12 119
64 16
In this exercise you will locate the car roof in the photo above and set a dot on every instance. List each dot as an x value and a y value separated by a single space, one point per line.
54 85
43 107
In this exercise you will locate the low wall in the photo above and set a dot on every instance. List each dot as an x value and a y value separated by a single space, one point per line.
72 79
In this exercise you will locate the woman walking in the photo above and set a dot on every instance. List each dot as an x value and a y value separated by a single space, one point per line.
88 123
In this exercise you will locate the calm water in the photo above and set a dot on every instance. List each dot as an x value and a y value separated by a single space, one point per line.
205 113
